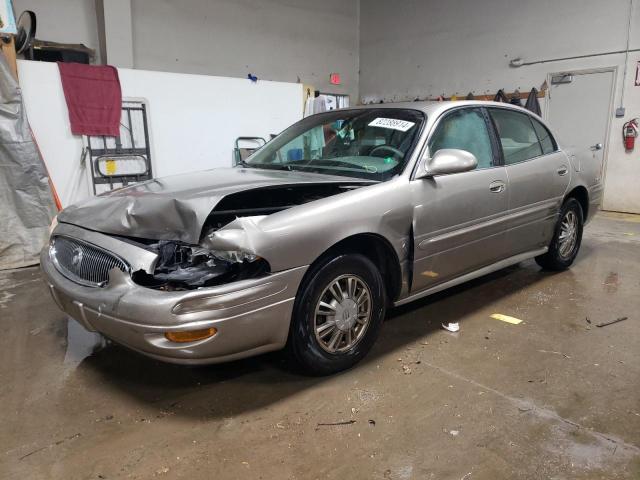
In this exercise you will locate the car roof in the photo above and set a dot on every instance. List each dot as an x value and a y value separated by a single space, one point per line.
431 107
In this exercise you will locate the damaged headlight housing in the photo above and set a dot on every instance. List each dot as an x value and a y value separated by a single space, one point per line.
234 256
184 267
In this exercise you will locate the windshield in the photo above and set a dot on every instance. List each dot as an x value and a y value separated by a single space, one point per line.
374 144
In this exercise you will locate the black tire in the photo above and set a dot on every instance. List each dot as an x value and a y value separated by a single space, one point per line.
555 259
303 347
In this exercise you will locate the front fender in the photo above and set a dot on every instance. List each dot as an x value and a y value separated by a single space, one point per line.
299 235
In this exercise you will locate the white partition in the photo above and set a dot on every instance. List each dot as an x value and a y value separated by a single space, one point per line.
193 119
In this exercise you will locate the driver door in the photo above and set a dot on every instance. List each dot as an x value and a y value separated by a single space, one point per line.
460 219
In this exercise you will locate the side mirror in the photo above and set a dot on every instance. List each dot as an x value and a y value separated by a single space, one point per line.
447 161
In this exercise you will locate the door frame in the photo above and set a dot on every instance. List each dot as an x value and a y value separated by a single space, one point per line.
614 82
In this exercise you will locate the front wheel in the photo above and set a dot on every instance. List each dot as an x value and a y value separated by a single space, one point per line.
566 238
337 314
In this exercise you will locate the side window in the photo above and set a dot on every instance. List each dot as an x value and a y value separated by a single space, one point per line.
517 136
464 129
546 140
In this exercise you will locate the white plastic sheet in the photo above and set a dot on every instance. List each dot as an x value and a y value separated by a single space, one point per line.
26 203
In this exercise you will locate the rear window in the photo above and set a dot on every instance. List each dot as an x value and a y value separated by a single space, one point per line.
546 140
517 136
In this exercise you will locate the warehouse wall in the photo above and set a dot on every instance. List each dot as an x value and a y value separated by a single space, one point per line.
623 168
282 40
422 49
418 48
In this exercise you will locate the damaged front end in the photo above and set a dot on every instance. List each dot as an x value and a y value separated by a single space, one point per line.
226 251
187 267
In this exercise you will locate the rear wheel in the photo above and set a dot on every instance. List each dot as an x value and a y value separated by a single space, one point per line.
337 314
567 238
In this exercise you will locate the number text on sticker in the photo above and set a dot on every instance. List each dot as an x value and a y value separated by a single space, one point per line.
393 123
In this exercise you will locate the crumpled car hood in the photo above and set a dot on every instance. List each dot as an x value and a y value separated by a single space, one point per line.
176 207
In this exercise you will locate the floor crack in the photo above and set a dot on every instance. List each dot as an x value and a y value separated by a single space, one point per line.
54 444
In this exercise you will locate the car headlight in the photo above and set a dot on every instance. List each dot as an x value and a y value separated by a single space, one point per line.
181 267
234 256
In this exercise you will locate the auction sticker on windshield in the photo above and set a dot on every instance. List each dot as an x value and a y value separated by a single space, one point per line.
393 123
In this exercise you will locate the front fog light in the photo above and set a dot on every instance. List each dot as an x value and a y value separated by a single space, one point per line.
191 335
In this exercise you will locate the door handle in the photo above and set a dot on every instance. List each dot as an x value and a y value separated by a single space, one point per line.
563 170
497 186
597 146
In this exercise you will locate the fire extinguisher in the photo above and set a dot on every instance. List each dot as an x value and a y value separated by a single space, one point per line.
629 134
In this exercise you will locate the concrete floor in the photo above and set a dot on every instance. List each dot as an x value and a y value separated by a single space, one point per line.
554 397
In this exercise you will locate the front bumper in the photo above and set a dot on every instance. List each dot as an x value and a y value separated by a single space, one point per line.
251 316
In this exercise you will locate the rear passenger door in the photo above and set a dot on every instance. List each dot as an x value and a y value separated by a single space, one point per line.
459 218
538 177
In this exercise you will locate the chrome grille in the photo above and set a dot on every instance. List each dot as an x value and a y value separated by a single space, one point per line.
82 262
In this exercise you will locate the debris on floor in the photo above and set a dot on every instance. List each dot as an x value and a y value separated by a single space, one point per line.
334 424
54 444
451 326
556 353
604 324
367 396
611 282
506 318
588 327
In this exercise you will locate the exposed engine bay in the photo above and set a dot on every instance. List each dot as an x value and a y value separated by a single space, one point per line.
186 267
265 201
181 266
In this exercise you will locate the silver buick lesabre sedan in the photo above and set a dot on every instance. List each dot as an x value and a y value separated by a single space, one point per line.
306 243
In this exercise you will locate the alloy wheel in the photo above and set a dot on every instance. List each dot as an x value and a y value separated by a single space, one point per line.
568 234
342 314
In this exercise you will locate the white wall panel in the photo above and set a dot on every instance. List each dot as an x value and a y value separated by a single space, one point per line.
194 119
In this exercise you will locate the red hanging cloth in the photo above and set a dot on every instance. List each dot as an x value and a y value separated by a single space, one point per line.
94 98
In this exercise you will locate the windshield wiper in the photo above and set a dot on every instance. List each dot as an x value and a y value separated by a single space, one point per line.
333 164
272 166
